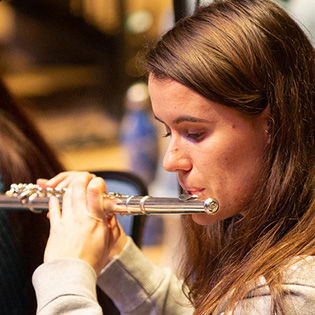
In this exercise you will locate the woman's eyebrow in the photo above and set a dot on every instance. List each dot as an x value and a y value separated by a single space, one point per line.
185 118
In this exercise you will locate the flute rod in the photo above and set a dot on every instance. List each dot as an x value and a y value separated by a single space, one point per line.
123 205
32 197
138 205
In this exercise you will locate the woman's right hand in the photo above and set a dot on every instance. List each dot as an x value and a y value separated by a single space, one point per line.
82 230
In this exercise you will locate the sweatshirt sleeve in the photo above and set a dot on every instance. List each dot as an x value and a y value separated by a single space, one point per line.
298 292
138 287
66 286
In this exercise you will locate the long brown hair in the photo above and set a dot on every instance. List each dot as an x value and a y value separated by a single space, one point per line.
22 145
24 157
249 55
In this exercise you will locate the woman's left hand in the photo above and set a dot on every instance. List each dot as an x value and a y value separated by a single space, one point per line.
82 230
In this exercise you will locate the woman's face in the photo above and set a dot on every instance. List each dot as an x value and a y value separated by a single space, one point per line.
216 151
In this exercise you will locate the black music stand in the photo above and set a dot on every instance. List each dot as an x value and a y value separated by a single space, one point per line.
130 184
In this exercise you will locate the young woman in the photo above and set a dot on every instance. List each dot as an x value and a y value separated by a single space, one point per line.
233 86
24 156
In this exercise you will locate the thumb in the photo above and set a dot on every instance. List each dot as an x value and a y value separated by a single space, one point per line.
54 212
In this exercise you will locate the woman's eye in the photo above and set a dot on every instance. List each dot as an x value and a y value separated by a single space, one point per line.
167 134
196 136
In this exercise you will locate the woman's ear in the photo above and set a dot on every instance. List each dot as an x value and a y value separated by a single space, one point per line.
267 124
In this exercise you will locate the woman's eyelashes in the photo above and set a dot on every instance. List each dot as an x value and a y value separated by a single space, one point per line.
188 134
196 136
167 133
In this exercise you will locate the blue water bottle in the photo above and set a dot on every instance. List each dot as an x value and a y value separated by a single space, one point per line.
138 133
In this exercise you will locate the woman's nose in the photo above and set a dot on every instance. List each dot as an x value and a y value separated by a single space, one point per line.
176 160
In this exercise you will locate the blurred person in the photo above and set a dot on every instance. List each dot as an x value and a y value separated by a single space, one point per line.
24 156
233 85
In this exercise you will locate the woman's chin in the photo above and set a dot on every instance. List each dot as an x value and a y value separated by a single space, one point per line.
204 219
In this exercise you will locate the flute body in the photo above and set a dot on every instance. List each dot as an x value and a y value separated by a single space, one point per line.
32 197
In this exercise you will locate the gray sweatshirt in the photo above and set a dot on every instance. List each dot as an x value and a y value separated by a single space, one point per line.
138 287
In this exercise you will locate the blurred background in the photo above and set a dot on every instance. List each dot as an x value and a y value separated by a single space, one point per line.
75 67
70 64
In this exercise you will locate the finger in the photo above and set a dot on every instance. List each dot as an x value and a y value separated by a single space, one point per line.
67 204
115 231
41 182
54 181
115 227
79 193
59 178
54 212
63 180
71 177
65 183
95 190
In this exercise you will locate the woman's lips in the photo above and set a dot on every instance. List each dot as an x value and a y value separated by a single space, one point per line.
194 191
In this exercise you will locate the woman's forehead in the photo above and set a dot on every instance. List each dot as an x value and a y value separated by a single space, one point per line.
169 95
172 100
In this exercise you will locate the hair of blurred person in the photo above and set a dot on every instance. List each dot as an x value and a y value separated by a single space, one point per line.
24 157
263 61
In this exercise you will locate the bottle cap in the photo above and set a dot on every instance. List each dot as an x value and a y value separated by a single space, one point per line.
137 96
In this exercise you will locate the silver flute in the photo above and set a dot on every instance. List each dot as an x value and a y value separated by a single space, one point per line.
34 198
